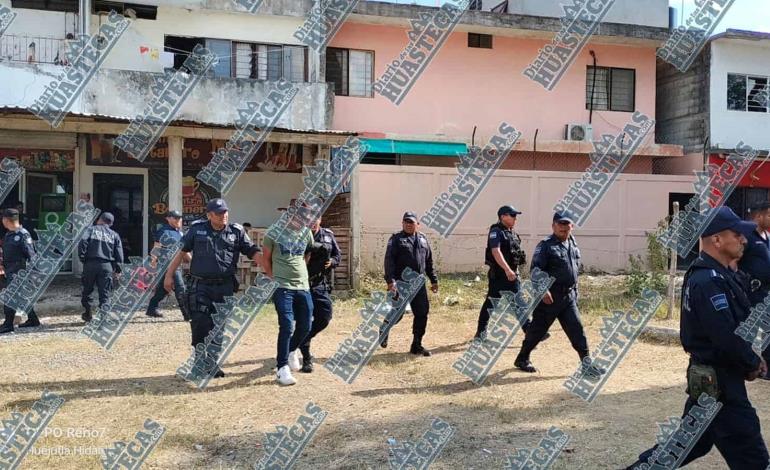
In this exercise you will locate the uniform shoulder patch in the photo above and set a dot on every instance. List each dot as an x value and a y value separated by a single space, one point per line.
719 302
493 234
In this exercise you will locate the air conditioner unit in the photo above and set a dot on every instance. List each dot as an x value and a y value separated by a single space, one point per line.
579 132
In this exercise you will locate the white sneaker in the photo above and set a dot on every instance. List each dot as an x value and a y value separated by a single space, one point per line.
284 376
294 360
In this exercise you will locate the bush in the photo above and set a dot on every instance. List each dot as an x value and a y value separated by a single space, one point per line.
650 273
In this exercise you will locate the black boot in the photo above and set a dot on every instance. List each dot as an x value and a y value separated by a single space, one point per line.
588 368
86 316
384 342
307 363
418 349
32 320
7 327
524 364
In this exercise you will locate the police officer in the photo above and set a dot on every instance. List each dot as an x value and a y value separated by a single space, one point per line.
101 252
17 249
410 249
172 227
557 255
215 245
504 255
713 305
323 260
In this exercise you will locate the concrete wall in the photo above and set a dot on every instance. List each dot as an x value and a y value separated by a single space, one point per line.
730 127
256 196
633 205
465 87
635 12
195 23
683 103
124 94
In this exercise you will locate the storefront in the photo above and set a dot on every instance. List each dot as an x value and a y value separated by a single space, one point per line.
44 194
137 193
753 188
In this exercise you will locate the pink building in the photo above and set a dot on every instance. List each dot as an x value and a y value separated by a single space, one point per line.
476 81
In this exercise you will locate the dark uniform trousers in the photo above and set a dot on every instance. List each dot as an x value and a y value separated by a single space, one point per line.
565 309
8 311
179 293
420 308
734 431
496 286
201 298
96 273
322 315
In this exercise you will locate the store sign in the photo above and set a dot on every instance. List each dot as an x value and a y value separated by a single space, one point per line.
271 156
195 196
42 160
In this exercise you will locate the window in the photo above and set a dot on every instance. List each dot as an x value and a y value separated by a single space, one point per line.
613 89
483 41
747 93
143 12
50 5
246 60
350 71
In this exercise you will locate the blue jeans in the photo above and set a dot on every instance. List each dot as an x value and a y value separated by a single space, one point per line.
179 293
293 307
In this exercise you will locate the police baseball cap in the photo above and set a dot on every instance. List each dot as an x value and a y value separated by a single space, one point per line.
174 214
217 205
11 213
759 206
107 218
510 210
726 219
410 216
563 217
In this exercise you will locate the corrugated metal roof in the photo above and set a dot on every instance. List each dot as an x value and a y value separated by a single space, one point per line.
180 122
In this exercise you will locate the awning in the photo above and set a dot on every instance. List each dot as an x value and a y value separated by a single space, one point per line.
411 147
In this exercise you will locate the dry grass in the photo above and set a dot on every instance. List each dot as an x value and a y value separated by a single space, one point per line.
112 393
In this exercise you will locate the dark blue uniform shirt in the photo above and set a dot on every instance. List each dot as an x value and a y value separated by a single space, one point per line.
215 253
100 243
175 234
508 241
559 259
713 305
756 263
17 249
406 251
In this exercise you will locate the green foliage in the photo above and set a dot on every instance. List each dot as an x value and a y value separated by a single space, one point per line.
650 273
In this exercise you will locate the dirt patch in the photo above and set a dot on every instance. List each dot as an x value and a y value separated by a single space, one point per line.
110 394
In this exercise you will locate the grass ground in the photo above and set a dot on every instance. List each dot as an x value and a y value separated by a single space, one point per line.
110 394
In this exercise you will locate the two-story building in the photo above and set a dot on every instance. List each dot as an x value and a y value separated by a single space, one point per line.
77 160
475 82
720 101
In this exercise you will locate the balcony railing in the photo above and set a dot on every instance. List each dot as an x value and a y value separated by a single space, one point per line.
33 50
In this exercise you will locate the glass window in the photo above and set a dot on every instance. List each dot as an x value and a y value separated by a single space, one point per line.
350 71
612 89
736 92
757 99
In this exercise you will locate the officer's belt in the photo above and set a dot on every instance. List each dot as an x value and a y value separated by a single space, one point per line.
211 280
562 289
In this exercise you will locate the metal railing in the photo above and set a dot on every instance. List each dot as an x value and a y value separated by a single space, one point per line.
33 50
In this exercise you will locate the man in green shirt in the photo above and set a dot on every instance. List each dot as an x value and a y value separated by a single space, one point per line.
286 263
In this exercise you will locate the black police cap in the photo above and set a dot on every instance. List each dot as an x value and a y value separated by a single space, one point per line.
510 210
11 214
726 219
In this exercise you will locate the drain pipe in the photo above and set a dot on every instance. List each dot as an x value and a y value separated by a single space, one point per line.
84 19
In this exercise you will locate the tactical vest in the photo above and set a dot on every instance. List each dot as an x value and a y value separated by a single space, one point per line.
510 246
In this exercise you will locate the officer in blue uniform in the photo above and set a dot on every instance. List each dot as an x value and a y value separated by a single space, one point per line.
320 286
756 255
101 252
173 228
410 249
503 255
17 249
713 305
558 256
215 245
